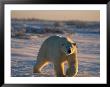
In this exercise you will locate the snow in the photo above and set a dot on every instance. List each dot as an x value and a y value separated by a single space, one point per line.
24 56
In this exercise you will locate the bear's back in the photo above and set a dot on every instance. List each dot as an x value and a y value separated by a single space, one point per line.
50 47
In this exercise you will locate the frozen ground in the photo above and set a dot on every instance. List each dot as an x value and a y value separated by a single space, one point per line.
24 54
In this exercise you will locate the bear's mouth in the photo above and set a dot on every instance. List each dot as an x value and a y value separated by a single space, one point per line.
69 51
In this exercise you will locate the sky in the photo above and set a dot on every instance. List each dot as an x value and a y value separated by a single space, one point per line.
82 15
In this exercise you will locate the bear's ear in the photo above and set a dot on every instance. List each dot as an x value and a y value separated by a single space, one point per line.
74 44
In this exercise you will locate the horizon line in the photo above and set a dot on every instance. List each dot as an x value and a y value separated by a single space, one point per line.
53 19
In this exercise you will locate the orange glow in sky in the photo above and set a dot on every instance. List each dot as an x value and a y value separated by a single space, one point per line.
83 15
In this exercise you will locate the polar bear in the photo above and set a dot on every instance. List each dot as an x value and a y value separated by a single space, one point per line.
57 50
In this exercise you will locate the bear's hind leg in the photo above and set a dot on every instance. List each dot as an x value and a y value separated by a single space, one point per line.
39 66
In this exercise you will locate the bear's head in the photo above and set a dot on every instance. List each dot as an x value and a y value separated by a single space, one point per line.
69 49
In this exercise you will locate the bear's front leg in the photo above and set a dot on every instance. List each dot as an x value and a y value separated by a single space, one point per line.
59 69
73 65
